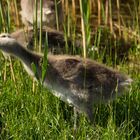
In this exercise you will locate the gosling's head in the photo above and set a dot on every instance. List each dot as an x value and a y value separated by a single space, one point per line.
5 35
48 14
124 84
7 43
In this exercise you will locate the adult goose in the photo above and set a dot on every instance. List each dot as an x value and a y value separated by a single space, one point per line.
80 82
49 14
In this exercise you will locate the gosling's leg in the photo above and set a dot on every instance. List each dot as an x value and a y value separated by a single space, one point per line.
89 113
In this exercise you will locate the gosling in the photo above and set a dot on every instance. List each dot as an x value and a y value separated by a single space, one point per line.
80 82
56 40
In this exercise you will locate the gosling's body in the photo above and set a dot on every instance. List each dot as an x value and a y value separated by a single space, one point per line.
80 82
56 40
28 8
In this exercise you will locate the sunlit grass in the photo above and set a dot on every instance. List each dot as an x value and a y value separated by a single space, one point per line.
37 115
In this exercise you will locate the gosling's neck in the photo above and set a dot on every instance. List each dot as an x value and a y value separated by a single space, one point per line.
30 60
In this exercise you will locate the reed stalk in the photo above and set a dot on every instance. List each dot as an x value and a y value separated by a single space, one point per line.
41 24
83 28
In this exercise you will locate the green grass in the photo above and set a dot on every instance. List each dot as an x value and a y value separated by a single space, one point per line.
34 113
39 115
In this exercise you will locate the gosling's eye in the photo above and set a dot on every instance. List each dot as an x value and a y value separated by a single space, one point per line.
5 35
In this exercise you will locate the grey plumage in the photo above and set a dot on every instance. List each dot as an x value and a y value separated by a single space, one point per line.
56 40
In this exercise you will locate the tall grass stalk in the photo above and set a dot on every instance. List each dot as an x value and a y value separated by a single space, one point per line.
110 16
35 25
118 14
56 15
137 28
41 24
16 12
8 16
1 17
83 26
99 12
45 60
106 12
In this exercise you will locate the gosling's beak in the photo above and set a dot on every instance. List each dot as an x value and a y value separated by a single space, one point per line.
127 82
47 11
